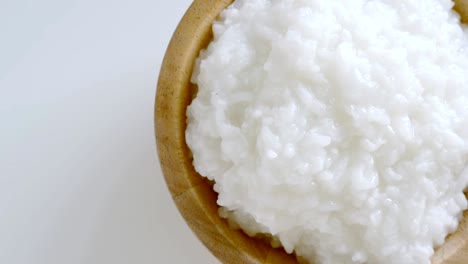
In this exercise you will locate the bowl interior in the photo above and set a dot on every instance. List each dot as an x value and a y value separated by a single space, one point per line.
192 193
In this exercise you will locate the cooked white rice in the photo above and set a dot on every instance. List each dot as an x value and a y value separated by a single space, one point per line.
338 127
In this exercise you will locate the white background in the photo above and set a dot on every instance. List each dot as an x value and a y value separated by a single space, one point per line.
79 177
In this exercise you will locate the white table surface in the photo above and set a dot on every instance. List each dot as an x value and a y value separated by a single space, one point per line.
79 177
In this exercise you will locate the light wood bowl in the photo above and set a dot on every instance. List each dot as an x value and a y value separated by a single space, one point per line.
193 194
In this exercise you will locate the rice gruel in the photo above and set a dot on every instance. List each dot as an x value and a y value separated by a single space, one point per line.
339 128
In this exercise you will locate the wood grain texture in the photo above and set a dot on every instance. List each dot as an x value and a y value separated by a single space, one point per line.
193 194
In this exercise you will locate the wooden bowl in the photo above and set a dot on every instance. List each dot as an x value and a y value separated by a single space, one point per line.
193 194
